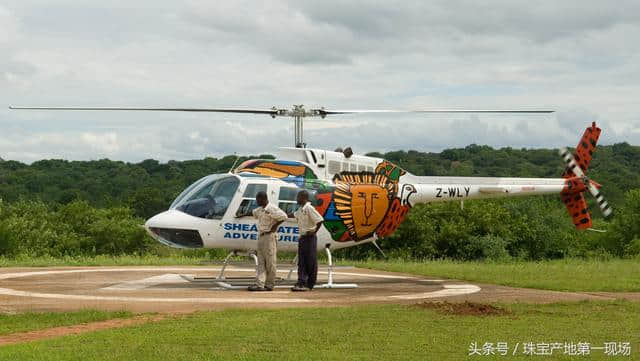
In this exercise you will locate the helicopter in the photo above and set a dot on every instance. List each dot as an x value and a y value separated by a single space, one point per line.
361 198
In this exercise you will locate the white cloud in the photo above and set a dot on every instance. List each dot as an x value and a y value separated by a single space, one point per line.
578 57
8 27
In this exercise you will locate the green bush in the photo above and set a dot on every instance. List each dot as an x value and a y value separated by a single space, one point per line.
532 228
34 229
624 233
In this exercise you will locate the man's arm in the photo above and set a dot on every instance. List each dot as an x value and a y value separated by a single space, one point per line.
241 213
317 228
276 225
316 218
280 216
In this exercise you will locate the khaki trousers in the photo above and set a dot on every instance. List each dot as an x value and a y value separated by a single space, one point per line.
267 258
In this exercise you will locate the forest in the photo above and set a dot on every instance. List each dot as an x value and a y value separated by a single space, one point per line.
66 208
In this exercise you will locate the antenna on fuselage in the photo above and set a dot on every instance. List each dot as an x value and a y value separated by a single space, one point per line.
234 162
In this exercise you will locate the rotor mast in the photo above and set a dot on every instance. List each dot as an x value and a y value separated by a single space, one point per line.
298 113
299 131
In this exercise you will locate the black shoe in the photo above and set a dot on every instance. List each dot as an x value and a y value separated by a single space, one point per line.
268 289
299 288
256 288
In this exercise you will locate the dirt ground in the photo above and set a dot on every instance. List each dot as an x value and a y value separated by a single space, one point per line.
187 289
53 332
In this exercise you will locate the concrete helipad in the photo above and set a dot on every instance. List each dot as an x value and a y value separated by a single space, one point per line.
172 289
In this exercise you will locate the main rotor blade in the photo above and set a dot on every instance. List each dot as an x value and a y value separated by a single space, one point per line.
213 110
520 111
294 112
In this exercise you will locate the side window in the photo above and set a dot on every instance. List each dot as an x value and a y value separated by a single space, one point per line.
249 203
288 208
287 200
334 167
247 206
253 189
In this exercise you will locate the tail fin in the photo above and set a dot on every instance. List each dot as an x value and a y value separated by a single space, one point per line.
584 150
577 182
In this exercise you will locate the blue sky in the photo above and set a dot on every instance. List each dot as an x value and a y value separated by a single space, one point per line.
580 58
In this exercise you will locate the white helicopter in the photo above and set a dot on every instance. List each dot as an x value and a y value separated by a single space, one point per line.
361 198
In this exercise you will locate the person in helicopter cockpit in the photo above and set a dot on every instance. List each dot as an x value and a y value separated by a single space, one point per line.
219 206
269 218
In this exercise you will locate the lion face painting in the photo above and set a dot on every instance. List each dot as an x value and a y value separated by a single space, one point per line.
362 200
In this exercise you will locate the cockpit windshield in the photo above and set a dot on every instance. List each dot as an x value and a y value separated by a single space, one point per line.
187 191
208 197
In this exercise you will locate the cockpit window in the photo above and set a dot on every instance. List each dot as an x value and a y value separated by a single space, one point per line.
187 191
210 198
249 202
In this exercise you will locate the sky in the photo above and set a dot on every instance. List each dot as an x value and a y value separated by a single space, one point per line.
579 58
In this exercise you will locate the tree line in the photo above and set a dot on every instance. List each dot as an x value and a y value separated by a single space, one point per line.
59 207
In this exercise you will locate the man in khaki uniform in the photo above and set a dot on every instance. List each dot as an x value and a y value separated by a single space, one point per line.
269 218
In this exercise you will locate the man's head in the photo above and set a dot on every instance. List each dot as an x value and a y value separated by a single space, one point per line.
303 197
261 199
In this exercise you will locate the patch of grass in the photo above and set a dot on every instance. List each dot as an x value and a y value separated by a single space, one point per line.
175 258
30 321
126 260
614 275
380 332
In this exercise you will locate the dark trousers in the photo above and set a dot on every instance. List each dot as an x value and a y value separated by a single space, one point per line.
307 261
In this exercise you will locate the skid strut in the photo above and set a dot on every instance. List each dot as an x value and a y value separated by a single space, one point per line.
237 253
330 283
294 264
221 277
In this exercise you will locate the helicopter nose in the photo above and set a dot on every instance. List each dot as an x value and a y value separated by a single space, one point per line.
157 221
154 222
174 228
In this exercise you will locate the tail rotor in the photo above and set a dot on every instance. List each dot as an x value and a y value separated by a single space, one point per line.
592 186
577 182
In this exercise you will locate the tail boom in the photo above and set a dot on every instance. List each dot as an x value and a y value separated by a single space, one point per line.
443 189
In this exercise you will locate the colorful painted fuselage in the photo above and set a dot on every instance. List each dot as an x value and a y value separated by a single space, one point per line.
360 198
356 206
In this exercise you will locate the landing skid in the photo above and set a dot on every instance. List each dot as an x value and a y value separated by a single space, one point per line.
221 277
241 283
